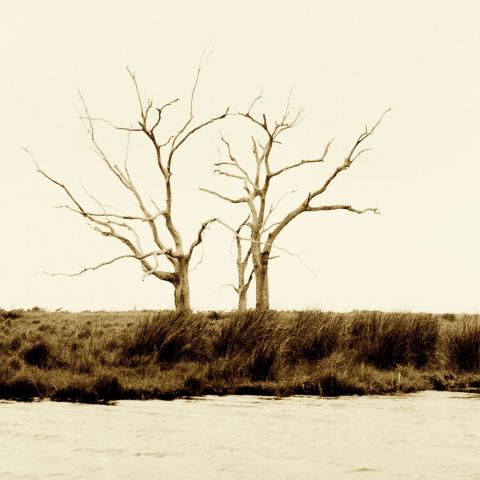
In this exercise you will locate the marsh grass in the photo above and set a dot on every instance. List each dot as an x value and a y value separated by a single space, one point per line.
462 344
170 337
251 340
389 339
103 356
314 335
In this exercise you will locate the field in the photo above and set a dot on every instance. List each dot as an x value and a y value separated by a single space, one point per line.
97 357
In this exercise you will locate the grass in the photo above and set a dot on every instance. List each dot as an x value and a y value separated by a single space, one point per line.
96 357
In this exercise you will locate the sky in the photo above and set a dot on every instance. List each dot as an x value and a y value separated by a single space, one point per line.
347 62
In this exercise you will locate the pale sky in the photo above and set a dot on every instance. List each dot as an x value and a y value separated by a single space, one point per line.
348 61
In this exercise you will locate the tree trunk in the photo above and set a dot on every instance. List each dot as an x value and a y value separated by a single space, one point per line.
261 286
182 287
242 298
242 287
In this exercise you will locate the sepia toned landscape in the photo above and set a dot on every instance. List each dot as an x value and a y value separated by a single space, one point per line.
239 240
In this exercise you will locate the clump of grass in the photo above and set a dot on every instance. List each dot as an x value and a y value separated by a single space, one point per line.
331 377
108 387
14 363
462 344
264 360
389 339
315 335
15 343
11 314
170 337
39 354
253 339
22 387
101 389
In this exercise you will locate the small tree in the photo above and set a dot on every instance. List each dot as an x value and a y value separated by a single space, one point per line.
263 234
168 241
241 263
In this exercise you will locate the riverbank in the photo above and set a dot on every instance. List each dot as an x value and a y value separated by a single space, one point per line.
97 357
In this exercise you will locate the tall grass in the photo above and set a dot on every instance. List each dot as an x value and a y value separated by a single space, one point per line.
252 339
314 335
389 339
462 344
94 357
170 337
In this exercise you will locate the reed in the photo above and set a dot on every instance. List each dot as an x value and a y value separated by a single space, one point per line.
103 356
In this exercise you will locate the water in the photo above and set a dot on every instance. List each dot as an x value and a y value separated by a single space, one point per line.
427 435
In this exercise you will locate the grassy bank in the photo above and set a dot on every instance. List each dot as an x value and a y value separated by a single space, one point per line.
98 356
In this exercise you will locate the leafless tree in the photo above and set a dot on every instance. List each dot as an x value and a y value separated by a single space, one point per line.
263 232
242 264
163 232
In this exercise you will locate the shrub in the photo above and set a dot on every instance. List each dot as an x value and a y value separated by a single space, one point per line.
22 388
108 387
38 355
462 344
75 393
11 314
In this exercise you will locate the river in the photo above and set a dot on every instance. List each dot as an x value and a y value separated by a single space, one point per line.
427 435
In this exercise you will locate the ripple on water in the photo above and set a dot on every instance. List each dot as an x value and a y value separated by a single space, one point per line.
427 435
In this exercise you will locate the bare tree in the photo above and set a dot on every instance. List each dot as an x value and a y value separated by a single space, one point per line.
241 262
263 231
167 241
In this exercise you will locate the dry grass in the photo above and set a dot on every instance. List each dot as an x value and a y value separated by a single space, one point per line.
103 356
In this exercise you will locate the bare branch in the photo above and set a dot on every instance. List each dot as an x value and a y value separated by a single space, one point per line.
272 209
137 90
227 285
199 238
352 155
176 146
303 162
234 163
254 101
108 122
96 147
160 111
192 97
56 182
108 262
228 199
217 171
113 215
249 280
342 207
267 244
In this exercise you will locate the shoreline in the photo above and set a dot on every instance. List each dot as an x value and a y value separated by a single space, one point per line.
100 357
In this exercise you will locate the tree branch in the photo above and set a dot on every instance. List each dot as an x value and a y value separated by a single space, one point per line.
341 207
112 215
168 276
223 197
305 205
199 238
303 162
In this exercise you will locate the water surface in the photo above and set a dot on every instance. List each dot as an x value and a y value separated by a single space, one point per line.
427 435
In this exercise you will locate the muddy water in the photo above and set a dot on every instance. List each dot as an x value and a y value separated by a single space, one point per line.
428 435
